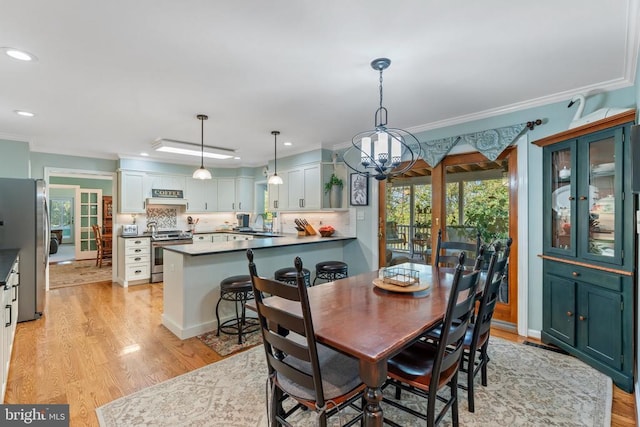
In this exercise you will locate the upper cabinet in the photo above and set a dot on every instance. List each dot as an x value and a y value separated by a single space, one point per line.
132 194
587 201
226 194
304 190
244 194
201 195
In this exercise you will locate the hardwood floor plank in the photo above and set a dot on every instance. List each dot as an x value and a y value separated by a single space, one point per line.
98 342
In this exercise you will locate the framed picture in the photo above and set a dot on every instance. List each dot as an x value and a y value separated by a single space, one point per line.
358 190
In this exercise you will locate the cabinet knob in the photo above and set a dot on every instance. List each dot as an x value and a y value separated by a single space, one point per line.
575 274
571 198
583 197
569 313
582 317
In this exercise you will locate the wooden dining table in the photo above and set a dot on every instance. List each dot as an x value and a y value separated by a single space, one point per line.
372 324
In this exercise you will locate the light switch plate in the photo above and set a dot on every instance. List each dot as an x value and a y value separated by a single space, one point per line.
360 215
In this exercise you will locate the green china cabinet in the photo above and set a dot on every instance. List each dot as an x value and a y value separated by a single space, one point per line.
589 245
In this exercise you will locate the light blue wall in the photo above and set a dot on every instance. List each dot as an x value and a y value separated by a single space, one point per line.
41 160
170 168
103 184
14 159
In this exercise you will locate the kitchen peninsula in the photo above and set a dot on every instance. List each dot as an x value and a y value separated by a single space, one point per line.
192 274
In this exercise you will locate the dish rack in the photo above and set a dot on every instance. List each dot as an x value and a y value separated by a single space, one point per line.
400 276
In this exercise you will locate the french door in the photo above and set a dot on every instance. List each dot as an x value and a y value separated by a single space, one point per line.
463 195
88 213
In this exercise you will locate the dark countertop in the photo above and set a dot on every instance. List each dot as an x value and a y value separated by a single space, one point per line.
243 245
246 233
7 258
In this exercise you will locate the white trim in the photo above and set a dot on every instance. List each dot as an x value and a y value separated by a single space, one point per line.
523 234
534 333
82 173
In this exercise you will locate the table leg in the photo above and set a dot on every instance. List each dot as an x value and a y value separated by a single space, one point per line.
373 375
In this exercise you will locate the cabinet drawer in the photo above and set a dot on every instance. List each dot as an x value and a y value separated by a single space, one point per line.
603 279
137 251
137 259
137 243
139 271
202 238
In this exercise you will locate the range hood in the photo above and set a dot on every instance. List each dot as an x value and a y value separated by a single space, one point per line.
166 201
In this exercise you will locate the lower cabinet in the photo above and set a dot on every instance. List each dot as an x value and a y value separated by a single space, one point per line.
589 313
9 301
134 260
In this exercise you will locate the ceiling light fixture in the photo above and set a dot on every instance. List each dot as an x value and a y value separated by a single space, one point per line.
18 54
383 148
174 146
275 179
24 113
201 172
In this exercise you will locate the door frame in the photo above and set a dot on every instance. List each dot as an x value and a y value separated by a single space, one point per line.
517 311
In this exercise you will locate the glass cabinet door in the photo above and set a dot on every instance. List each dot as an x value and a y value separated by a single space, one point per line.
562 210
597 198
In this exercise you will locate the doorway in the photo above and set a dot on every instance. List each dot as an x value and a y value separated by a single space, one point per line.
464 195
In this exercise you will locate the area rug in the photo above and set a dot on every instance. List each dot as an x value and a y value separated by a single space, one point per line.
528 386
77 273
228 344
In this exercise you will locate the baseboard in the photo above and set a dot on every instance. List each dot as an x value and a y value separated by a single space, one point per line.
545 347
637 396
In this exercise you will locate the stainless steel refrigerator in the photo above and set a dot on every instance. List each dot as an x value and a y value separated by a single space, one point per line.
24 225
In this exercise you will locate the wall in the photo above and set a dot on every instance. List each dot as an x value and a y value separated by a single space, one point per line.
14 159
102 184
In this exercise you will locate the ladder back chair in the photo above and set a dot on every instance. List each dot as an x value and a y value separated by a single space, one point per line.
103 247
316 377
447 251
425 367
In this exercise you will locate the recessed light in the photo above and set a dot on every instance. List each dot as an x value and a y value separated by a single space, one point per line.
236 158
24 113
18 54
288 144
144 154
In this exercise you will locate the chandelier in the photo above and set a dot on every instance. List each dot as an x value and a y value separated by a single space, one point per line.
383 149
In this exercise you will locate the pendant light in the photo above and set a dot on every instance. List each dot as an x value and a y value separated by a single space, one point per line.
381 150
201 172
275 179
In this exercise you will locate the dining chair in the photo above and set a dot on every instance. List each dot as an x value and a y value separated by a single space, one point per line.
424 368
103 247
316 377
447 251
476 343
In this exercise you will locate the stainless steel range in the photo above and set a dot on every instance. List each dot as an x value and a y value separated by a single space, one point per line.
160 239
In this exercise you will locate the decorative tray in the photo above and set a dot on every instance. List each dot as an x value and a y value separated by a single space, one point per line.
416 287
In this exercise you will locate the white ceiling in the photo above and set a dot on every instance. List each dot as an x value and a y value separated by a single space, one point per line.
112 76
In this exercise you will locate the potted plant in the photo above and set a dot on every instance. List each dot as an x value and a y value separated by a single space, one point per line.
334 188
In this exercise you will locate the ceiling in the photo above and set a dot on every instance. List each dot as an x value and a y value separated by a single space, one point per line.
113 76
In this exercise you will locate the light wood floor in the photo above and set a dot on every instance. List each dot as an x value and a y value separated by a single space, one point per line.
99 342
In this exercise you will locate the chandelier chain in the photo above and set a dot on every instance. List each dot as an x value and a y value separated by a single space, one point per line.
381 88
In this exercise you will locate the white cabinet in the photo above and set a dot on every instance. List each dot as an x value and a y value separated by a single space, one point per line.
9 301
244 194
201 195
226 194
232 237
219 237
132 192
134 260
202 238
275 202
304 189
163 182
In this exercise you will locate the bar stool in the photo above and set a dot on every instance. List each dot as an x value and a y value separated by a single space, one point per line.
238 290
289 274
331 270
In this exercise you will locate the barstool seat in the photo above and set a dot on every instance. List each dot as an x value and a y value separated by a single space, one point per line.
238 290
289 275
331 270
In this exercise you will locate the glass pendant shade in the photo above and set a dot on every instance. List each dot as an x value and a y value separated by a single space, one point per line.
275 180
201 172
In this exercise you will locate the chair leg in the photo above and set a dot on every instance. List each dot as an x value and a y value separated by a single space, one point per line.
218 316
453 385
484 358
239 321
471 363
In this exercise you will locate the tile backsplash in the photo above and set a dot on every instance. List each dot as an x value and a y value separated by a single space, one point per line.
166 218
